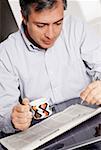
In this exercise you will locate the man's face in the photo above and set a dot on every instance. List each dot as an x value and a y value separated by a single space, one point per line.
44 27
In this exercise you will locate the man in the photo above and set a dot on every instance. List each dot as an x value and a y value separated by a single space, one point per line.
51 56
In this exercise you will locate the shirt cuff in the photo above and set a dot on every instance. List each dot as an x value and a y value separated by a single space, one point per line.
7 126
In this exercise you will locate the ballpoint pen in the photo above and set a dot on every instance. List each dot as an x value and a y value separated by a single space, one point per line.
82 101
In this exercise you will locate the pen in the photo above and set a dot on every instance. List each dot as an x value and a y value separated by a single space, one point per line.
82 102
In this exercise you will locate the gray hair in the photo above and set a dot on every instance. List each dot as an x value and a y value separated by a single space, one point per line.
39 5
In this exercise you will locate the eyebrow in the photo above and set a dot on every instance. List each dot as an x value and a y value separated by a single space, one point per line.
48 23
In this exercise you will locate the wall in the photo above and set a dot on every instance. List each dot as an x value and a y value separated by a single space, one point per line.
89 10
7 21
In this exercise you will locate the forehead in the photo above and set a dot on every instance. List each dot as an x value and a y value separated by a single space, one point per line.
48 14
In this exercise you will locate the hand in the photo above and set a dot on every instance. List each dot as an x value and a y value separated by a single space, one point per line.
92 94
21 115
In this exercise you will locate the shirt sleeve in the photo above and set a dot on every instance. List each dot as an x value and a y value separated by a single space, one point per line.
9 92
90 48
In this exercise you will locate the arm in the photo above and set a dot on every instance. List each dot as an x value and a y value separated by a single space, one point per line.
92 93
9 92
13 116
91 55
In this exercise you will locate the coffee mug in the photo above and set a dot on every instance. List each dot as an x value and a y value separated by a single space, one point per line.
40 108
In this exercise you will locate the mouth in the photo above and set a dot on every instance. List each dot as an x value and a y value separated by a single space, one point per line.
48 42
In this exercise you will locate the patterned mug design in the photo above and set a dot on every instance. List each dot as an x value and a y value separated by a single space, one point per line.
40 108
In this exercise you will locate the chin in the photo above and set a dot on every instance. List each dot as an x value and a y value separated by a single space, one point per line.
47 46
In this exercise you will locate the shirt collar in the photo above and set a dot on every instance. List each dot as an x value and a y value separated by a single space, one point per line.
30 46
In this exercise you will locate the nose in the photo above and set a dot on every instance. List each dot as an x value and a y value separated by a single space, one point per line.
50 32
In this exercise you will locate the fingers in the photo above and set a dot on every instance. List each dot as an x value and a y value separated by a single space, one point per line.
21 115
88 90
22 127
89 95
92 94
98 98
22 108
98 102
25 101
22 121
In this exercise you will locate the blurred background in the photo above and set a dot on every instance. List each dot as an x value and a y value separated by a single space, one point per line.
10 17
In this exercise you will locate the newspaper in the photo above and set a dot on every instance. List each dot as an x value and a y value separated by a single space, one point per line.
49 128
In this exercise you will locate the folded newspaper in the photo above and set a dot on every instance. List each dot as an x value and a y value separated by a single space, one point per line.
49 128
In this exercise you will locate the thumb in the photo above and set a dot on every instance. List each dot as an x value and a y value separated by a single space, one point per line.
25 101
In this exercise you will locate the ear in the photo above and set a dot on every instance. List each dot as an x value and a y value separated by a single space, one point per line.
24 21
23 18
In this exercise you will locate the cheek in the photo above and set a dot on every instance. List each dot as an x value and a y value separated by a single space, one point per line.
38 35
34 33
57 33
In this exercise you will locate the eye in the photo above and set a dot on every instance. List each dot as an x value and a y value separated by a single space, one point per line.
58 23
40 25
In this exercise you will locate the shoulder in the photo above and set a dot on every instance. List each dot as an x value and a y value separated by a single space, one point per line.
8 48
10 42
73 29
73 22
11 39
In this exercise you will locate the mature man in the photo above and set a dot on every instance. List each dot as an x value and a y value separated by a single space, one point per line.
52 56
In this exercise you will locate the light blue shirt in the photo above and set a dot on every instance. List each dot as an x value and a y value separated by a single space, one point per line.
60 73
